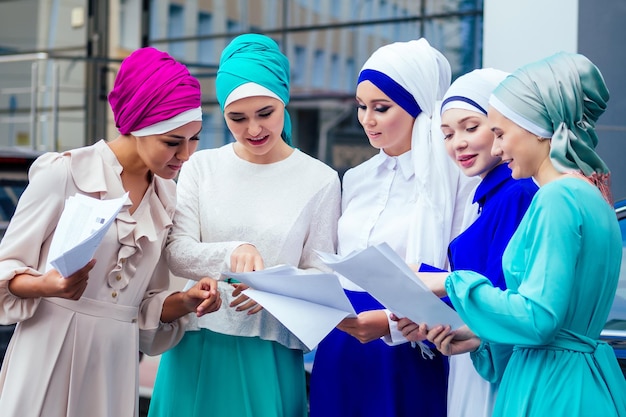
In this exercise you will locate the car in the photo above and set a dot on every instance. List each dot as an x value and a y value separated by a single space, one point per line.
614 331
14 165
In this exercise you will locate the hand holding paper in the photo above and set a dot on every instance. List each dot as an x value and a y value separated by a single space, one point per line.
383 274
310 305
82 225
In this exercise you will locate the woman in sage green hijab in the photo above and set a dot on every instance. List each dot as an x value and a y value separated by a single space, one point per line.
540 336
251 204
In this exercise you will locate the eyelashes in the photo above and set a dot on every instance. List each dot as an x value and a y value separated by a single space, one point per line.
379 109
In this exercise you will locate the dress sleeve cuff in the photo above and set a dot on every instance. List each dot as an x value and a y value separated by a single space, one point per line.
155 337
395 336
14 309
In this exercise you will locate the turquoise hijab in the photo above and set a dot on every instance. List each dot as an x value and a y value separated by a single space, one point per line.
253 58
560 97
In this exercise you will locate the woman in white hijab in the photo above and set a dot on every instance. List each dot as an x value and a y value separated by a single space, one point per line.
411 196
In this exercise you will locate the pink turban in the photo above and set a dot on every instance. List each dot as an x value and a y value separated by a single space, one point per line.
151 87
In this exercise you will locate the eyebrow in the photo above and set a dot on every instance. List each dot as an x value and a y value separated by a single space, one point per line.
236 113
463 120
376 100
181 137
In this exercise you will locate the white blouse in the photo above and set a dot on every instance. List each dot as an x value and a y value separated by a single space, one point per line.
288 210
377 204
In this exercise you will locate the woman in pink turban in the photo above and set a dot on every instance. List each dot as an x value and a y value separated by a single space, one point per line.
74 351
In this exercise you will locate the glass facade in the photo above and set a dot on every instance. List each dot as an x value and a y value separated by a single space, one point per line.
326 42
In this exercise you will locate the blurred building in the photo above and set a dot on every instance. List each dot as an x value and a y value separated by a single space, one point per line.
58 59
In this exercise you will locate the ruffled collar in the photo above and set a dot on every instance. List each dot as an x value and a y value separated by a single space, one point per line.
151 218
105 180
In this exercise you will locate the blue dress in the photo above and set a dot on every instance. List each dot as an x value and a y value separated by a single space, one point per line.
502 202
374 379
540 335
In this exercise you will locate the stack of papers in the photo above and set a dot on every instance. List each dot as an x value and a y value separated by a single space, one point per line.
310 305
385 276
82 225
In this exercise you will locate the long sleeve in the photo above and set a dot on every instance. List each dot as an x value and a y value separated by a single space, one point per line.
322 235
541 259
287 210
25 245
490 360
188 252
156 337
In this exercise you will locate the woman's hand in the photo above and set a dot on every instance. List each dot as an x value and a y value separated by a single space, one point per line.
246 258
52 284
203 298
412 331
242 302
448 342
367 326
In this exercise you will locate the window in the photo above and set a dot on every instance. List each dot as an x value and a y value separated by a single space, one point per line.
129 29
206 47
175 29
299 68
335 71
155 24
351 75
318 69
207 135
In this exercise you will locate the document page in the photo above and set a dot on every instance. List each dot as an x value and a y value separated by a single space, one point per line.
384 275
310 305
83 224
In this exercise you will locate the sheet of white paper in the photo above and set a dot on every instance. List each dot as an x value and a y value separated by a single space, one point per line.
82 225
310 305
383 274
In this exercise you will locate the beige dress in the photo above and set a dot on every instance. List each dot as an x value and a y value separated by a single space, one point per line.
80 358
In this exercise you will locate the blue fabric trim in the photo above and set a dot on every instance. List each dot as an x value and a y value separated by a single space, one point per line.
392 89
463 99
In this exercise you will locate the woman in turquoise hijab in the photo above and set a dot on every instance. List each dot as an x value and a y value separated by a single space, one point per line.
540 336
251 204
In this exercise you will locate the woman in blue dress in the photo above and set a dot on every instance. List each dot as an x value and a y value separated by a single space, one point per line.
411 196
540 336
499 204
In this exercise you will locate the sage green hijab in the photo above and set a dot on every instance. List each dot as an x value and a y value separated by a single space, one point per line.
561 98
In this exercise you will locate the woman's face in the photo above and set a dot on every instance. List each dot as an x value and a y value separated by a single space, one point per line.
468 141
165 154
387 125
524 152
256 123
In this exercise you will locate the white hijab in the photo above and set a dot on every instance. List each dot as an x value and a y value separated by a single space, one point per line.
441 189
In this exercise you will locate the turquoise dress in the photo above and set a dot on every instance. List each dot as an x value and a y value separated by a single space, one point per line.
540 335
